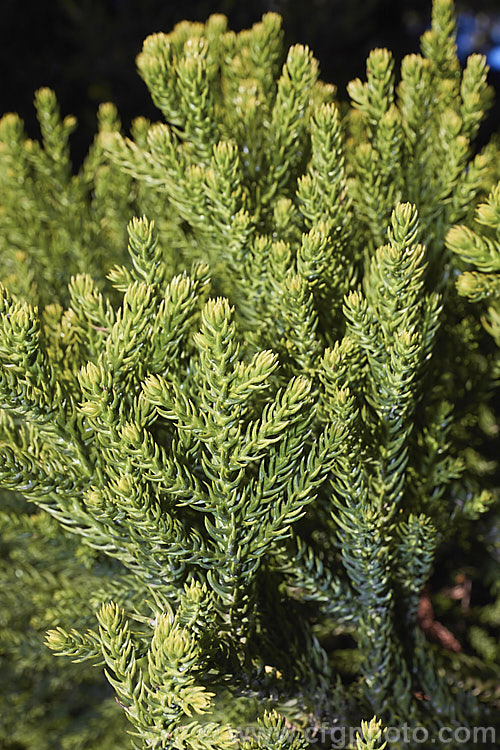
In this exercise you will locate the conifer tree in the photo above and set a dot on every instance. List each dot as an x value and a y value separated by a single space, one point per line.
247 387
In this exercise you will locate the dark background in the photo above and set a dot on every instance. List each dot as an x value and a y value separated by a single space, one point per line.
85 49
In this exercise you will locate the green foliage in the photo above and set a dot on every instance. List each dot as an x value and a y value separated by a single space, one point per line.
480 248
254 435
48 579
372 733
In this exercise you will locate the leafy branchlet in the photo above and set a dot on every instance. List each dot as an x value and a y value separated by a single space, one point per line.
266 414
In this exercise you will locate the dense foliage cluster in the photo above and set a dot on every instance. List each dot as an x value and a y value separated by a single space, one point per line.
235 450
